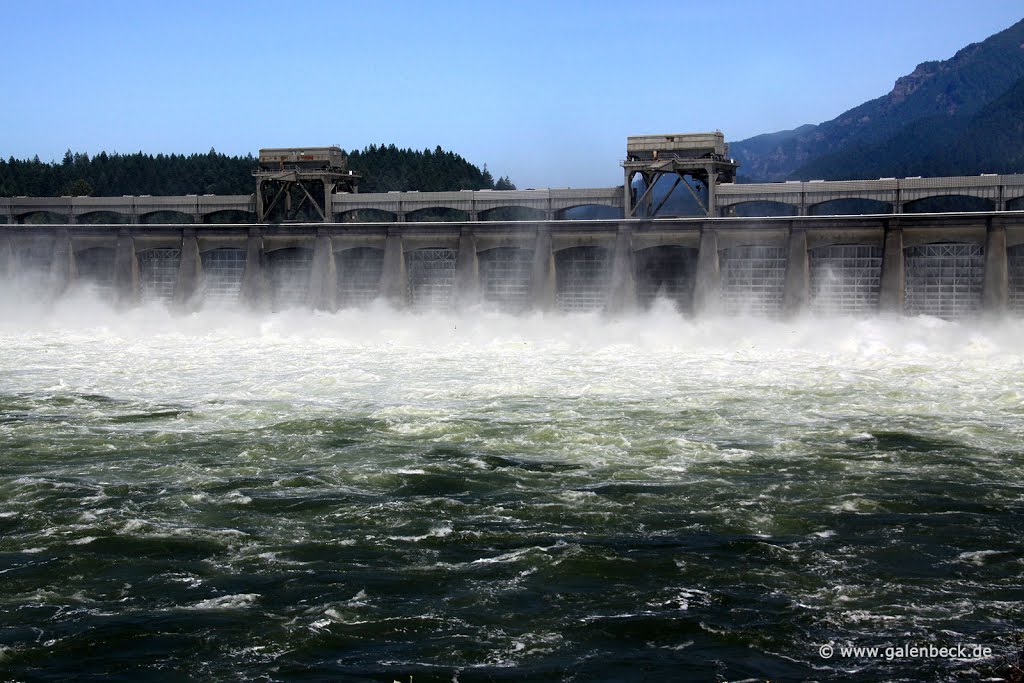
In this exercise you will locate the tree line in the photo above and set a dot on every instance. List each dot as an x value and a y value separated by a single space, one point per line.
384 168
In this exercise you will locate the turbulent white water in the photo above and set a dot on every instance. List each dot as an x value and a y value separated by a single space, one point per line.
566 493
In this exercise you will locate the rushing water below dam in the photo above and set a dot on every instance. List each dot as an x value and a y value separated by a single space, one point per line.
374 496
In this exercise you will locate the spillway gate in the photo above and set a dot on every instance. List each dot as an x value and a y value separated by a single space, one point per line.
952 266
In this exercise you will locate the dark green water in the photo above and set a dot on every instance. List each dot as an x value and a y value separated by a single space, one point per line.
369 497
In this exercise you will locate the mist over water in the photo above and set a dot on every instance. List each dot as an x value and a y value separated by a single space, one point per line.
372 494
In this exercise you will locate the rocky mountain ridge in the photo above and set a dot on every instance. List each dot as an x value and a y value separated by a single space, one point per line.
948 95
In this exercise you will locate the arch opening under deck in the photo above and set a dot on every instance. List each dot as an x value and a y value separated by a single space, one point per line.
441 214
762 207
589 212
948 203
166 217
366 216
852 206
42 218
102 218
226 216
513 213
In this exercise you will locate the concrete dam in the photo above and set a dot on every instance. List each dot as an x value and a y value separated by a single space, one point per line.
952 265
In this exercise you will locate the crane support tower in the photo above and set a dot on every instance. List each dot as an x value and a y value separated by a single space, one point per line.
704 157
294 182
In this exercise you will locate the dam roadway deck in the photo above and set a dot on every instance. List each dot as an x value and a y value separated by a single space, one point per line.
951 265
988 192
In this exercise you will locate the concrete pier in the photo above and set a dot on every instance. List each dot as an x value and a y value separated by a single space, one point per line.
891 290
796 287
323 280
467 272
62 267
542 273
6 257
190 271
126 270
622 289
996 287
393 280
254 286
708 282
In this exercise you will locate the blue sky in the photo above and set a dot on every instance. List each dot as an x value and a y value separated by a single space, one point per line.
545 92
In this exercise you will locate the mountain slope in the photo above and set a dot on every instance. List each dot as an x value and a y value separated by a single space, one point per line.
942 93
990 141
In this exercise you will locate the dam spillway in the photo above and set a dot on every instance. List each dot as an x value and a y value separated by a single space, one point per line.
752 279
397 487
221 279
952 265
505 278
845 278
158 273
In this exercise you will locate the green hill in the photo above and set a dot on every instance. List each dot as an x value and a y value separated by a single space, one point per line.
990 141
926 123
384 168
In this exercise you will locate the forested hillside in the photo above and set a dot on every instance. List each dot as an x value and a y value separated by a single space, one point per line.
384 168
928 124
387 168
990 141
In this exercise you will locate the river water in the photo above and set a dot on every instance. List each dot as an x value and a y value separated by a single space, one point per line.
374 496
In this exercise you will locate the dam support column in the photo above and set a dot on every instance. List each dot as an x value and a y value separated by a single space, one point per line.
253 286
190 271
62 269
622 289
995 290
467 272
126 270
712 183
542 273
796 287
6 258
708 283
891 290
393 278
323 278
328 202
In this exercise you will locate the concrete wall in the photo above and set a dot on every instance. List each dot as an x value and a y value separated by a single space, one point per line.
994 232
